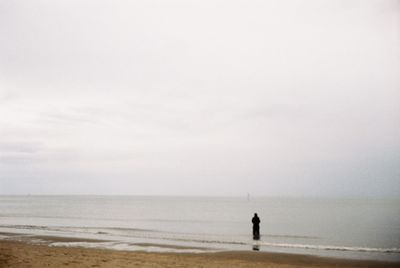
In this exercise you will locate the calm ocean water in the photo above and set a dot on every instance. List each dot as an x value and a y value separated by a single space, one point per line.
349 228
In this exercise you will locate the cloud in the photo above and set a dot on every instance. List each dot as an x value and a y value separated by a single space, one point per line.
20 153
264 95
21 147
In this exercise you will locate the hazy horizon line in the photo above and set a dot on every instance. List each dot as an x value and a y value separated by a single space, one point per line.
213 196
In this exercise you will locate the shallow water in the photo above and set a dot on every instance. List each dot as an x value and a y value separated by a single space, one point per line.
350 228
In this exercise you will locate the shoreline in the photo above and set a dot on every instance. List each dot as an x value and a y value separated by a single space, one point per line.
24 254
160 246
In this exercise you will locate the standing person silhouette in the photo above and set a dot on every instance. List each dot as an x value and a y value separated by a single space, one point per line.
256 227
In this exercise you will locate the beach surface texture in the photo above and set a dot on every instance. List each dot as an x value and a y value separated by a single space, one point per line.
22 254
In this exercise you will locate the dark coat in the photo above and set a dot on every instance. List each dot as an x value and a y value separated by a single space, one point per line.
256 220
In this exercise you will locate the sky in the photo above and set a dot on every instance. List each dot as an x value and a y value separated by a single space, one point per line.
210 97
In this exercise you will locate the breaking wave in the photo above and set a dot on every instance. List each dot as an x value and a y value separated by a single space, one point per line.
114 232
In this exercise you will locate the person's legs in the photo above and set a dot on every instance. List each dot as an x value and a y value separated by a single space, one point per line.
256 232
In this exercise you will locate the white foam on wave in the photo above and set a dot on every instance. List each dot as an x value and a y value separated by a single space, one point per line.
328 247
300 246
127 247
122 233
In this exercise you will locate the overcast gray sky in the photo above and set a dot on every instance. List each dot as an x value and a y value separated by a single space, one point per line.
205 97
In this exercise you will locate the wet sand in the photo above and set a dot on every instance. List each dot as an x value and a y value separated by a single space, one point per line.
23 254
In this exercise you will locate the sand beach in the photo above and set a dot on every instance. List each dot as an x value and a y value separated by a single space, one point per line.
23 254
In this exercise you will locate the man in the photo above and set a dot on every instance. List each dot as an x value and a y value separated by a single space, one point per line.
256 227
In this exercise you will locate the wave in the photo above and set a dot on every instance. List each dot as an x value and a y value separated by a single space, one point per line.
337 248
196 238
77 229
299 246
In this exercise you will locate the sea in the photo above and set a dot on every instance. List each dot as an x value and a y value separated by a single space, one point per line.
344 228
